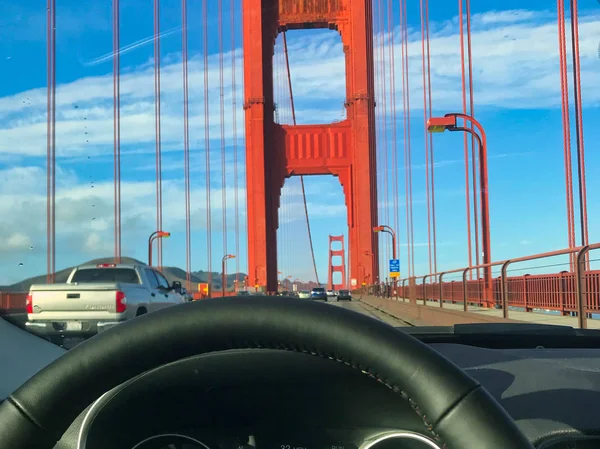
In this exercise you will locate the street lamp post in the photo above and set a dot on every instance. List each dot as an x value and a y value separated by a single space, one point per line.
155 235
448 122
389 230
224 281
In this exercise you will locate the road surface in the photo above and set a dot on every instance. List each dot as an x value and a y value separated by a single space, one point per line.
368 310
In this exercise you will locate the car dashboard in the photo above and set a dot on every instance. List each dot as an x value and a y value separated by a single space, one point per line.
276 399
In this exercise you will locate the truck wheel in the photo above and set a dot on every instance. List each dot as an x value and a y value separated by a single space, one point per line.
141 311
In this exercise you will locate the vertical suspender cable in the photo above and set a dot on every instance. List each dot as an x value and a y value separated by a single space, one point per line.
157 128
235 146
426 137
243 173
289 77
378 137
579 125
381 176
431 153
464 103
393 111
566 127
116 132
384 131
207 142
405 127
186 145
222 114
412 235
474 147
51 140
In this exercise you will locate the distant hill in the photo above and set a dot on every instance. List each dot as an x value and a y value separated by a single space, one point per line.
171 273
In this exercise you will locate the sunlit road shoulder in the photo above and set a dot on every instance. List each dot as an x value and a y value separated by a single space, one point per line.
368 310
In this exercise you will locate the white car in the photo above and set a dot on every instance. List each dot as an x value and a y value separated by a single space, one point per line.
304 294
331 294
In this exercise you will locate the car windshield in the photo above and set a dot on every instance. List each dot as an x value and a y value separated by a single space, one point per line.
422 167
106 275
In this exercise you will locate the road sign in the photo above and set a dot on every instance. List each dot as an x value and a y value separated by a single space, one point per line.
394 266
394 275
353 282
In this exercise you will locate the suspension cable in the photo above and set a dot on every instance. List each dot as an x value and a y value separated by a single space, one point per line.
474 147
207 142
157 129
423 70
222 114
405 128
392 66
312 251
566 128
186 143
116 131
466 147
235 146
431 153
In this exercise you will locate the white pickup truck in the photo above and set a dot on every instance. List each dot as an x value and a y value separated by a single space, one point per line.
96 297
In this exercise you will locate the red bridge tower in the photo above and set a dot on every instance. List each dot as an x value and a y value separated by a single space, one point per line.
275 152
337 268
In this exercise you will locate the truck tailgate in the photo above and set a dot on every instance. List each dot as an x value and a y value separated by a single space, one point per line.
64 301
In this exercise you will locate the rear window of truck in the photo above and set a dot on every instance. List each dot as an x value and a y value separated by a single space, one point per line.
90 275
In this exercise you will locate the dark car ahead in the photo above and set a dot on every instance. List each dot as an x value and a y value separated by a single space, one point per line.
318 294
344 295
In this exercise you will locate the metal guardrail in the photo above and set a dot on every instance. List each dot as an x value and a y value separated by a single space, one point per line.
569 292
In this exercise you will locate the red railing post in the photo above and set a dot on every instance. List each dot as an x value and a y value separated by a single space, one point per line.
465 293
504 289
561 293
525 294
581 287
441 290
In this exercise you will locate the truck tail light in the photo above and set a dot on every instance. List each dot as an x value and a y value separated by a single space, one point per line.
29 304
121 302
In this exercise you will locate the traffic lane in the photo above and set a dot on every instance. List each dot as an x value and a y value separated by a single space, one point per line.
368 310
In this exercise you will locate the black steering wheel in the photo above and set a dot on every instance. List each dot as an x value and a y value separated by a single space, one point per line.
456 411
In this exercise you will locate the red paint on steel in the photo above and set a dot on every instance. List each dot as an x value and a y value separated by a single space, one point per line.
579 124
566 128
483 189
298 146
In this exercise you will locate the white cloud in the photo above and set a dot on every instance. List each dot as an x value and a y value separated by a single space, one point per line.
515 63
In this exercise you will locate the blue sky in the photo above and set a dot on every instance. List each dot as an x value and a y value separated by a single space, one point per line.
517 98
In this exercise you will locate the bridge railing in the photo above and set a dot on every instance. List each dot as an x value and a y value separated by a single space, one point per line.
569 293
